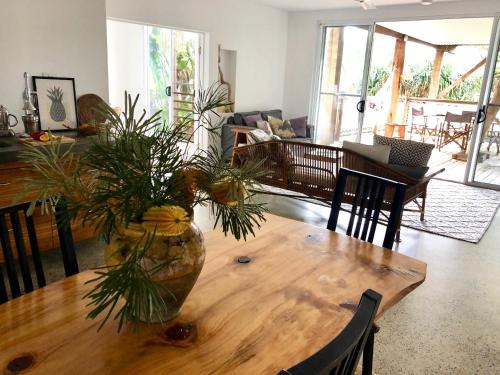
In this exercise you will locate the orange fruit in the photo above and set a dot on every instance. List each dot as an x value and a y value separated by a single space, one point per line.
44 137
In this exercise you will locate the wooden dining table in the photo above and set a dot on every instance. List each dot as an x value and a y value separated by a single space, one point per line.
258 306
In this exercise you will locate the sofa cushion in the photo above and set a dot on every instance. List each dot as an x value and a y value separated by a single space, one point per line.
405 152
276 113
299 126
264 125
378 153
252 120
415 172
239 118
259 136
281 128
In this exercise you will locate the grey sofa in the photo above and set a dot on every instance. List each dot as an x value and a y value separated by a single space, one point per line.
238 120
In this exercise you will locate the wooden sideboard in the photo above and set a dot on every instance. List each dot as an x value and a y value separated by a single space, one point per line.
11 189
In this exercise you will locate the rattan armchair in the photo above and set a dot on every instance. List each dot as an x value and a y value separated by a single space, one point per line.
311 169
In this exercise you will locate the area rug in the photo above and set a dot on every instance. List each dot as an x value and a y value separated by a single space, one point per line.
452 210
455 210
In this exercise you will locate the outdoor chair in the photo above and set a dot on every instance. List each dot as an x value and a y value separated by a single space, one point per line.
418 124
16 220
367 195
342 354
494 136
456 129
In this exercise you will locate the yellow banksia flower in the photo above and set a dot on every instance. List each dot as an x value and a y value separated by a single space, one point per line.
228 192
166 220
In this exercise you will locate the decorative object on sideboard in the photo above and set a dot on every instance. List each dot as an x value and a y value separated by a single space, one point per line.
30 117
5 124
90 116
56 102
140 185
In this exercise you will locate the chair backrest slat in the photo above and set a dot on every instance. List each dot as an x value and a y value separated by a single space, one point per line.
372 194
21 252
371 206
364 200
355 204
10 266
341 356
35 251
376 213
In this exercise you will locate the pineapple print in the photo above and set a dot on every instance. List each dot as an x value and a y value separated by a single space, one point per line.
57 110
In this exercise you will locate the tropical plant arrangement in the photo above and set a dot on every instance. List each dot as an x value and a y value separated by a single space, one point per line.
138 185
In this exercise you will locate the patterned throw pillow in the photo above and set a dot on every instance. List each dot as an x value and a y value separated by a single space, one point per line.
264 125
405 152
259 136
282 129
299 126
252 120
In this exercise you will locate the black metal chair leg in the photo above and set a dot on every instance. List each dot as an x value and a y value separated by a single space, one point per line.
368 354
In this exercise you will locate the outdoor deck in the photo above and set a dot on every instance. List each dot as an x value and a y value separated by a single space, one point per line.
487 172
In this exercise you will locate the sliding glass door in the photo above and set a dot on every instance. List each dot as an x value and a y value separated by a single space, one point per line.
343 82
173 63
484 164
162 65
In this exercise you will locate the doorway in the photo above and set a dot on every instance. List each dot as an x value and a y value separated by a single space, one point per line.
408 79
162 65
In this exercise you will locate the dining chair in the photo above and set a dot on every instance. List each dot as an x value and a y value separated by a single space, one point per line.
456 128
15 220
368 196
342 354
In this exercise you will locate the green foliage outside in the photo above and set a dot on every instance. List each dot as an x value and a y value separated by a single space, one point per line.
377 79
159 67
415 83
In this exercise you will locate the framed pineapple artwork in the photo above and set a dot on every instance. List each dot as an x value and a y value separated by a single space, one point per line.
56 102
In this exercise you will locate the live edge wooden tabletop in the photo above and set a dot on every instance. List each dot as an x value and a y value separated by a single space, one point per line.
297 293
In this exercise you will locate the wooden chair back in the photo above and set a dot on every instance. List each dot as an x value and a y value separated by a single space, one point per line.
371 195
16 220
341 356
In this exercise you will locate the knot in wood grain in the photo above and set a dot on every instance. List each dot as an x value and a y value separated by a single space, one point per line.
20 363
243 259
181 331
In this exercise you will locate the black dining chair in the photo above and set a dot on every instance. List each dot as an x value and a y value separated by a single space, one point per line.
341 356
11 220
368 195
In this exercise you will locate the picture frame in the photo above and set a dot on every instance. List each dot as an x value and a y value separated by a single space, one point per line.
56 102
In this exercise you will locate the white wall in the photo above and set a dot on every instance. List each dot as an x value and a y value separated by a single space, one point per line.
258 34
126 52
303 35
52 37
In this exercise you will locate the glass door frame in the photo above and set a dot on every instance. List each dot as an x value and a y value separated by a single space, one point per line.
201 138
483 104
318 74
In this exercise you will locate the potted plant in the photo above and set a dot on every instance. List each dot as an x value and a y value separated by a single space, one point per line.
138 184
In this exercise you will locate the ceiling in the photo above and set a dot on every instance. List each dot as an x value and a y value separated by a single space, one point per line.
465 31
297 5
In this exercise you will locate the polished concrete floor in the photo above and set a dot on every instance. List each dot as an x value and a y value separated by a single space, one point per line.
448 325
